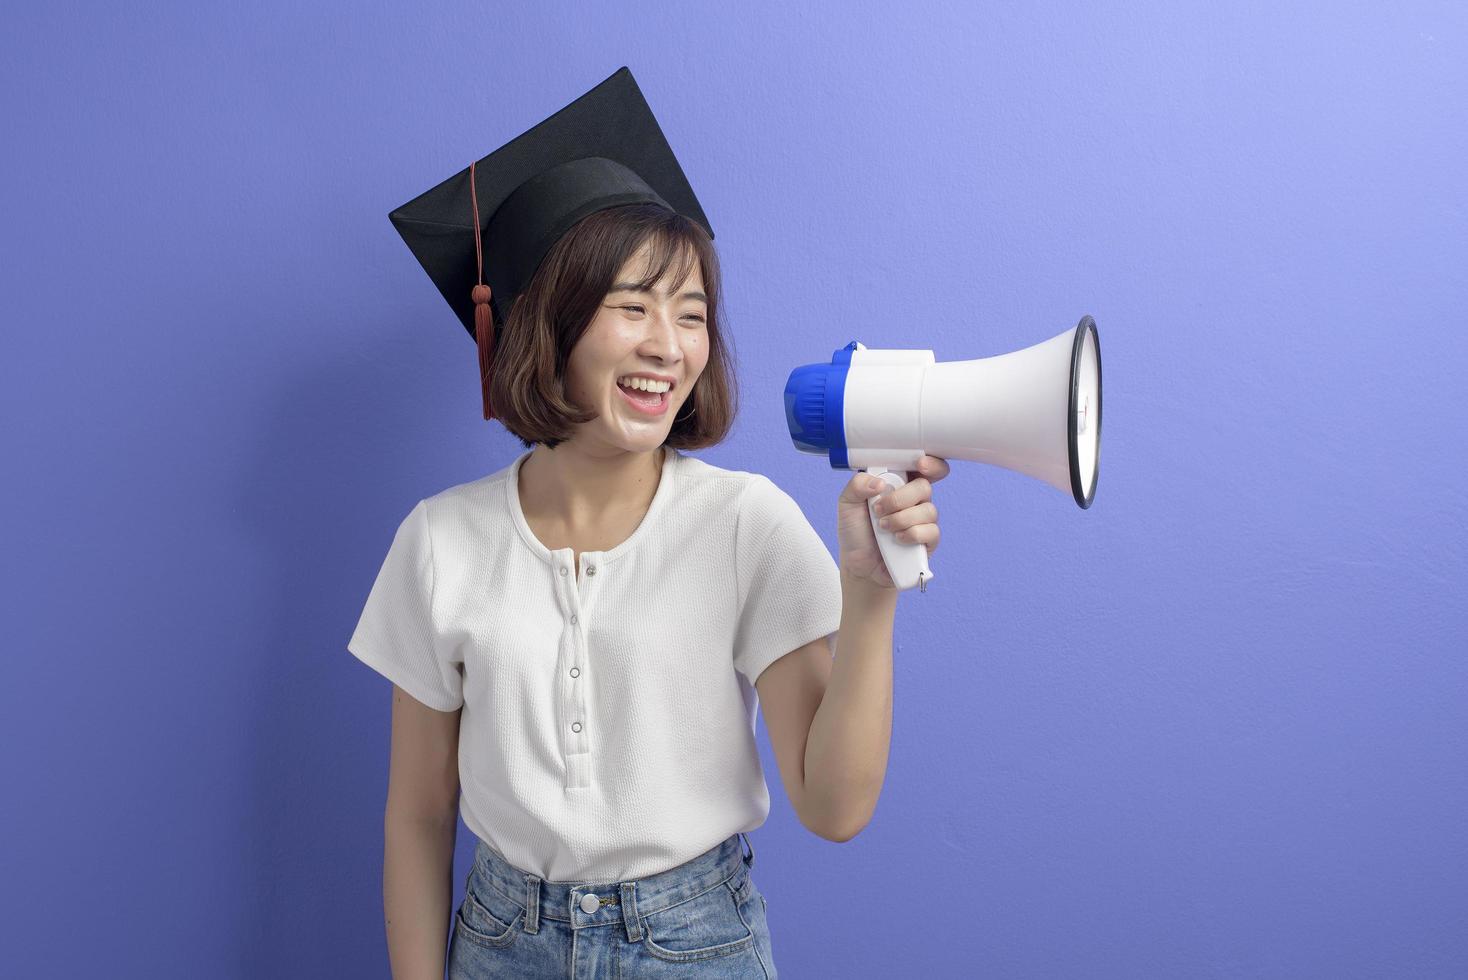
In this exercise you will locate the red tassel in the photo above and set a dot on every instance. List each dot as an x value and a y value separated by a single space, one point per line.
484 334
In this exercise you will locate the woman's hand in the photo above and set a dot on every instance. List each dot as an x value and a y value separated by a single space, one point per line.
909 511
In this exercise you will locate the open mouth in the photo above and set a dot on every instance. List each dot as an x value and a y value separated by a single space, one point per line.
643 400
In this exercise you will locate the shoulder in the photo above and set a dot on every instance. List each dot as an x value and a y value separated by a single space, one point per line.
753 497
766 509
764 504
471 489
697 476
467 512
471 492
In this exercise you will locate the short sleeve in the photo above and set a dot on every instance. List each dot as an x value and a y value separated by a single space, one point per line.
396 635
789 585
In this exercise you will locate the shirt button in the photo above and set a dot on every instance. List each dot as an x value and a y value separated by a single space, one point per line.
576 727
575 671
590 903
573 619
590 569
562 569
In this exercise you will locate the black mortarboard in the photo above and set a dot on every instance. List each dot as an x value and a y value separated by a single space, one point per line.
604 149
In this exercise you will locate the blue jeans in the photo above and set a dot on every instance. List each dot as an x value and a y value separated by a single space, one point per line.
705 918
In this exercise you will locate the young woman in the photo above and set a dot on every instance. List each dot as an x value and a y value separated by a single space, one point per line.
579 643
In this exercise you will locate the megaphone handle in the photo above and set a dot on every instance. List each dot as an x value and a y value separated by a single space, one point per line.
906 563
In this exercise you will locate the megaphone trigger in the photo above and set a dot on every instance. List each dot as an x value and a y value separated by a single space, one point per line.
906 563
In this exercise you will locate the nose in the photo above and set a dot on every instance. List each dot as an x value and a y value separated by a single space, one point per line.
661 339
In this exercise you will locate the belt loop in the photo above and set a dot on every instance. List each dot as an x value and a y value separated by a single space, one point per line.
630 919
748 861
532 904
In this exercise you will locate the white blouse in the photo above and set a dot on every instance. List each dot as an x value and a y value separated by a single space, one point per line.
607 730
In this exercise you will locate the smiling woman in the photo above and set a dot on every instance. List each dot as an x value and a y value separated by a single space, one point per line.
600 274
582 639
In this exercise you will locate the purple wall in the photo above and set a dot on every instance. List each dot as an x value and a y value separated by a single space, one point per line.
1213 727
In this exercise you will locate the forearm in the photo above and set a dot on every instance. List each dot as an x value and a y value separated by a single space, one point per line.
846 751
417 894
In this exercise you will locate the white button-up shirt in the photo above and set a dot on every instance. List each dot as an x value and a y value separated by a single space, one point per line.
607 730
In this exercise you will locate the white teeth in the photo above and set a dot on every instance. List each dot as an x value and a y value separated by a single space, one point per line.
644 384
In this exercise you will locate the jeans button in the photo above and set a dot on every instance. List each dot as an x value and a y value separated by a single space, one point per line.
590 903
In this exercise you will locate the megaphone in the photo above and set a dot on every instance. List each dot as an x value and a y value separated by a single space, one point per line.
1036 411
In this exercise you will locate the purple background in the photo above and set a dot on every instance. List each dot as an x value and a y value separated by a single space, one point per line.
1212 727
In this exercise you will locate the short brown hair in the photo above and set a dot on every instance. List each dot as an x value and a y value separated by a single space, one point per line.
533 345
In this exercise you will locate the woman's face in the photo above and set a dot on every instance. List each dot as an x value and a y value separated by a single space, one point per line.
638 341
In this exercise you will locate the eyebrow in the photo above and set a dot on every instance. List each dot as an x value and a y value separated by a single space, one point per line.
632 287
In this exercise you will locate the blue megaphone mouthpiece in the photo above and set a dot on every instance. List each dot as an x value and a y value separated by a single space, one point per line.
814 399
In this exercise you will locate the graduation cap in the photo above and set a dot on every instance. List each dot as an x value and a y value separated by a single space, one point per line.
603 150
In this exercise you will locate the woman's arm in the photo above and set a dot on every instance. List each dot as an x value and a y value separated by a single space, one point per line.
419 828
846 752
833 772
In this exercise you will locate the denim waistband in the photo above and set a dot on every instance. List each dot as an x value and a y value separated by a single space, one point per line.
623 901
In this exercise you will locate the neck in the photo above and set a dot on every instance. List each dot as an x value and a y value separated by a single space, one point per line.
583 490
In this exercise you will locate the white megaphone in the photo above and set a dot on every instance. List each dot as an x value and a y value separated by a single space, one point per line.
1036 411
